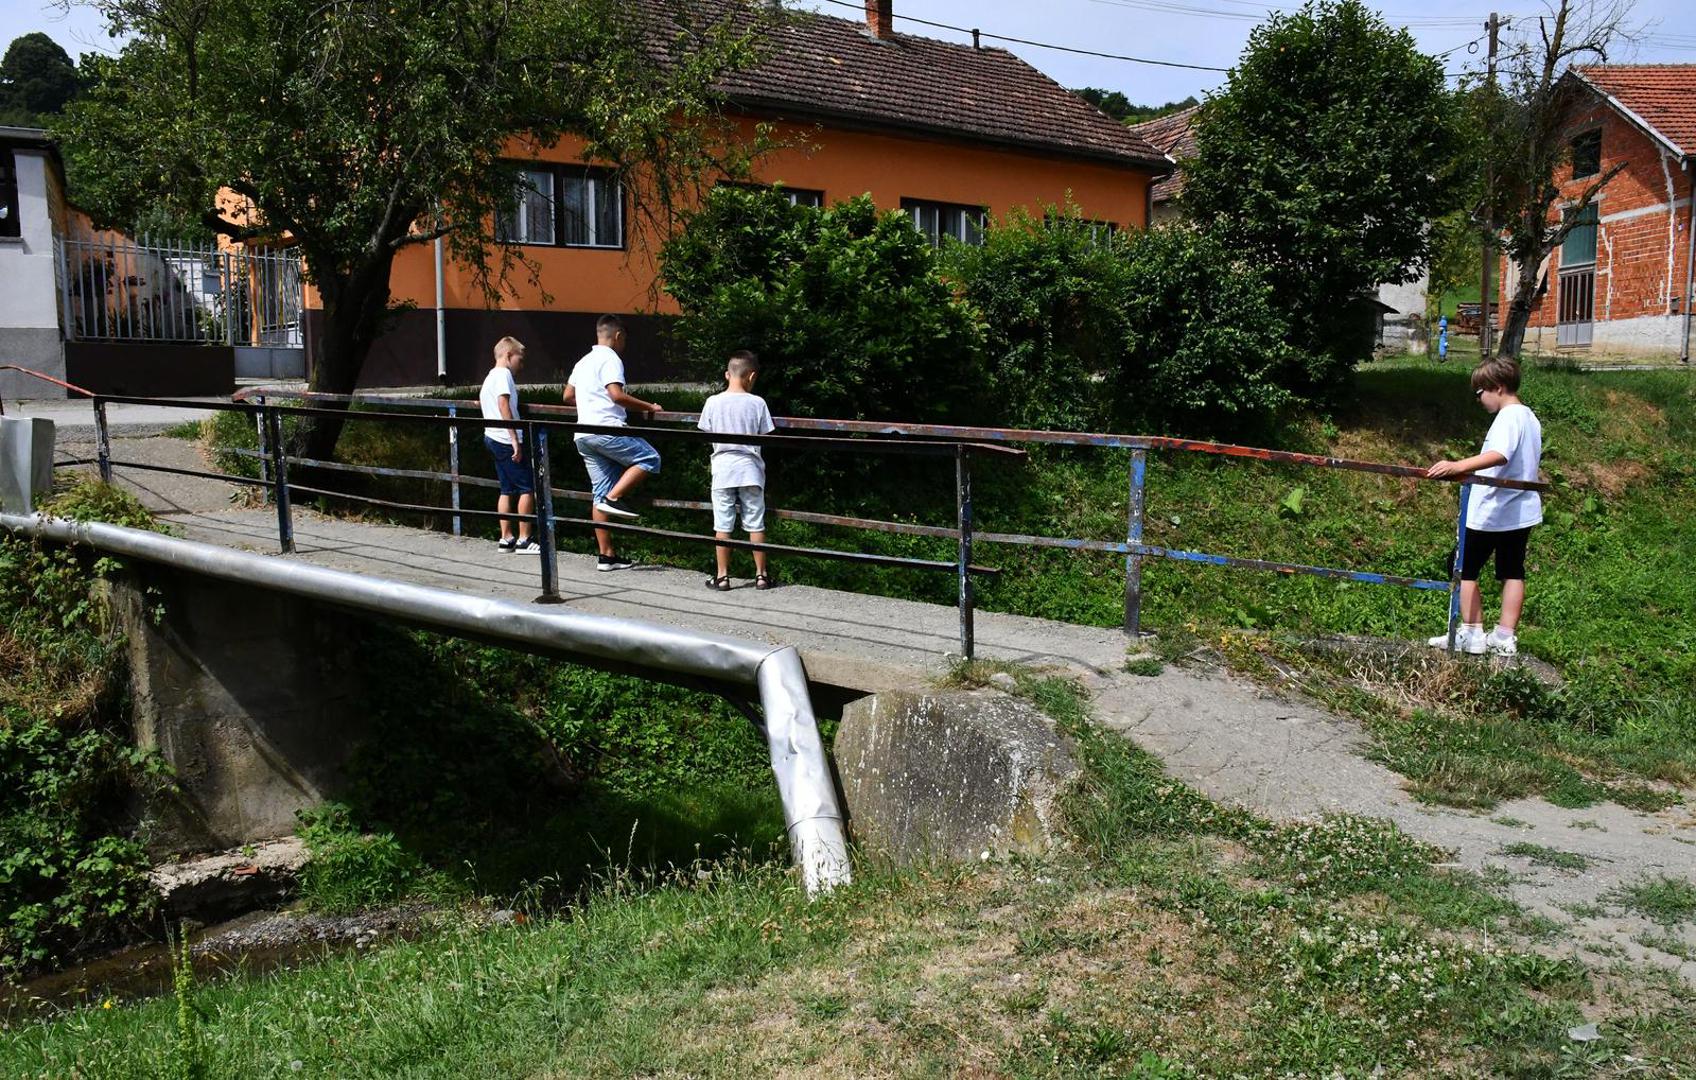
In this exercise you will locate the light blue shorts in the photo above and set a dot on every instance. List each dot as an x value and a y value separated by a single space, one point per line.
607 456
749 500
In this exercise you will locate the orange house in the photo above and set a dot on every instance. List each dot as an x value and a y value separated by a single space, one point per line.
952 134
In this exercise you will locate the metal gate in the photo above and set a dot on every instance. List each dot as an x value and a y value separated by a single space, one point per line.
116 289
1577 310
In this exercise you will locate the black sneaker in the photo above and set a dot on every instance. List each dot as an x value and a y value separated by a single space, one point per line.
527 546
613 562
507 544
616 507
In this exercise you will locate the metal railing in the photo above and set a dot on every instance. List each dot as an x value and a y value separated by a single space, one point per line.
116 289
1134 549
959 442
276 465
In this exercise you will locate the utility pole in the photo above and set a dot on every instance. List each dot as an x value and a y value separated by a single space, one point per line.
1493 27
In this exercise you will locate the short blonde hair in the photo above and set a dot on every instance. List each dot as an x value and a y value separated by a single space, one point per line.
508 346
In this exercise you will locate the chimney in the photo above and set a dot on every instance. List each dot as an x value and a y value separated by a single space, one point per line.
880 18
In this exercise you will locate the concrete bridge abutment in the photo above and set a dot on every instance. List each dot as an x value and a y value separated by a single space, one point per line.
250 695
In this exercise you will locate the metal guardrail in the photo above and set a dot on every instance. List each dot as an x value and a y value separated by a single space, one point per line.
276 466
811 812
853 435
1133 548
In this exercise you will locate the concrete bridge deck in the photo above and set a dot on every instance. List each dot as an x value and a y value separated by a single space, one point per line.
847 640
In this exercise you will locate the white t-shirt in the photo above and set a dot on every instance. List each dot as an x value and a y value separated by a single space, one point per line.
599 366
1516 435
737 464
497 382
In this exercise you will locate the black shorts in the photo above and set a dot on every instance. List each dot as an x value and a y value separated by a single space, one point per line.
1508 547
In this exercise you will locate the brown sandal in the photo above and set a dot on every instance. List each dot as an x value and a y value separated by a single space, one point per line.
762 581
722 584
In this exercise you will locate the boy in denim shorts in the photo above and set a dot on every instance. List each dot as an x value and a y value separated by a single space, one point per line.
498 399
739 472
616 463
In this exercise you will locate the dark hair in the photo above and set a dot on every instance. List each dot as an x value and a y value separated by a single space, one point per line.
1496 373
742 361
608 325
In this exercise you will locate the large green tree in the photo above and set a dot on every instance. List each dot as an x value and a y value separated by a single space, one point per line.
1330 148
37 80
355 128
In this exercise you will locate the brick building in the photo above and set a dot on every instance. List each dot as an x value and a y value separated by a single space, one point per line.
1620 284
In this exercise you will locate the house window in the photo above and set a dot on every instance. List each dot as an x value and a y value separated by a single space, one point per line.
9 223
946 221
564 206
1100 232
1579 247
1587 155
796 196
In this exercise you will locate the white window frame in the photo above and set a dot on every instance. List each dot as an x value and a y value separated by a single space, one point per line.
594 181
955 221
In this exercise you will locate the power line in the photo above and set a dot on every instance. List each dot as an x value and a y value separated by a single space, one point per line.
1042 44
1179 7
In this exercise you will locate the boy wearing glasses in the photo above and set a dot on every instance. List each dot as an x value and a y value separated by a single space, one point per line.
1498 520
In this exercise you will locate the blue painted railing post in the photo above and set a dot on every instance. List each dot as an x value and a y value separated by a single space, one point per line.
545 516
453 467
1454 571
1133 540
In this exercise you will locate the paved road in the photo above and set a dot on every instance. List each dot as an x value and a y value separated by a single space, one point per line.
1283 756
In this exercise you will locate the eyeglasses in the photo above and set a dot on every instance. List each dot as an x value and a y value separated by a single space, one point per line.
1479 394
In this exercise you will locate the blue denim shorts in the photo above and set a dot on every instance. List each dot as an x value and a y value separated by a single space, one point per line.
517 478
607 456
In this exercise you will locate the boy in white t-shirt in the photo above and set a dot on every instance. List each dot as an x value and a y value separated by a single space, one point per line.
1498 520
505 443
739 472
616 463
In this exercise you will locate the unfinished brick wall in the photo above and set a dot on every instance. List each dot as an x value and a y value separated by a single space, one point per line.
1642 241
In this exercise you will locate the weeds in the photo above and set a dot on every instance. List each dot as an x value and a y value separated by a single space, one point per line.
1547 856
1667 900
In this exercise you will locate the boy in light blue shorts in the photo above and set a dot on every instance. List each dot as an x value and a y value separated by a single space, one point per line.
616 463
739 471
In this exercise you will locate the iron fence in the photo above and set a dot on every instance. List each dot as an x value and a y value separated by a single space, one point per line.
116 289
947 441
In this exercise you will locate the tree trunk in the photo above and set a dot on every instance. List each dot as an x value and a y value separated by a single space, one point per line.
355 310
1526 295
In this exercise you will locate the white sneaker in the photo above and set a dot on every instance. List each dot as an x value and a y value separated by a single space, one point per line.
1497 643
1467 640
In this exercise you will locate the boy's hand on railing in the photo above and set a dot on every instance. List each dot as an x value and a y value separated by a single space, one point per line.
1444 468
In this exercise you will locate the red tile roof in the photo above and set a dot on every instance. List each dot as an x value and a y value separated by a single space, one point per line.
1663 96
1174 136
821 68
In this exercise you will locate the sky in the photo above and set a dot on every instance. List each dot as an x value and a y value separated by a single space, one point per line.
1208 33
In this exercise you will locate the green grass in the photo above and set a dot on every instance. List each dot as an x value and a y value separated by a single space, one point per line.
1547 856
1667 900
1176 939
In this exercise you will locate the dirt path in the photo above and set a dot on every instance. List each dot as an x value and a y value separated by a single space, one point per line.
1286 757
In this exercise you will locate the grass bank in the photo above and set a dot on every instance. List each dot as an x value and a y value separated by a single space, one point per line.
1171 939
1610 606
